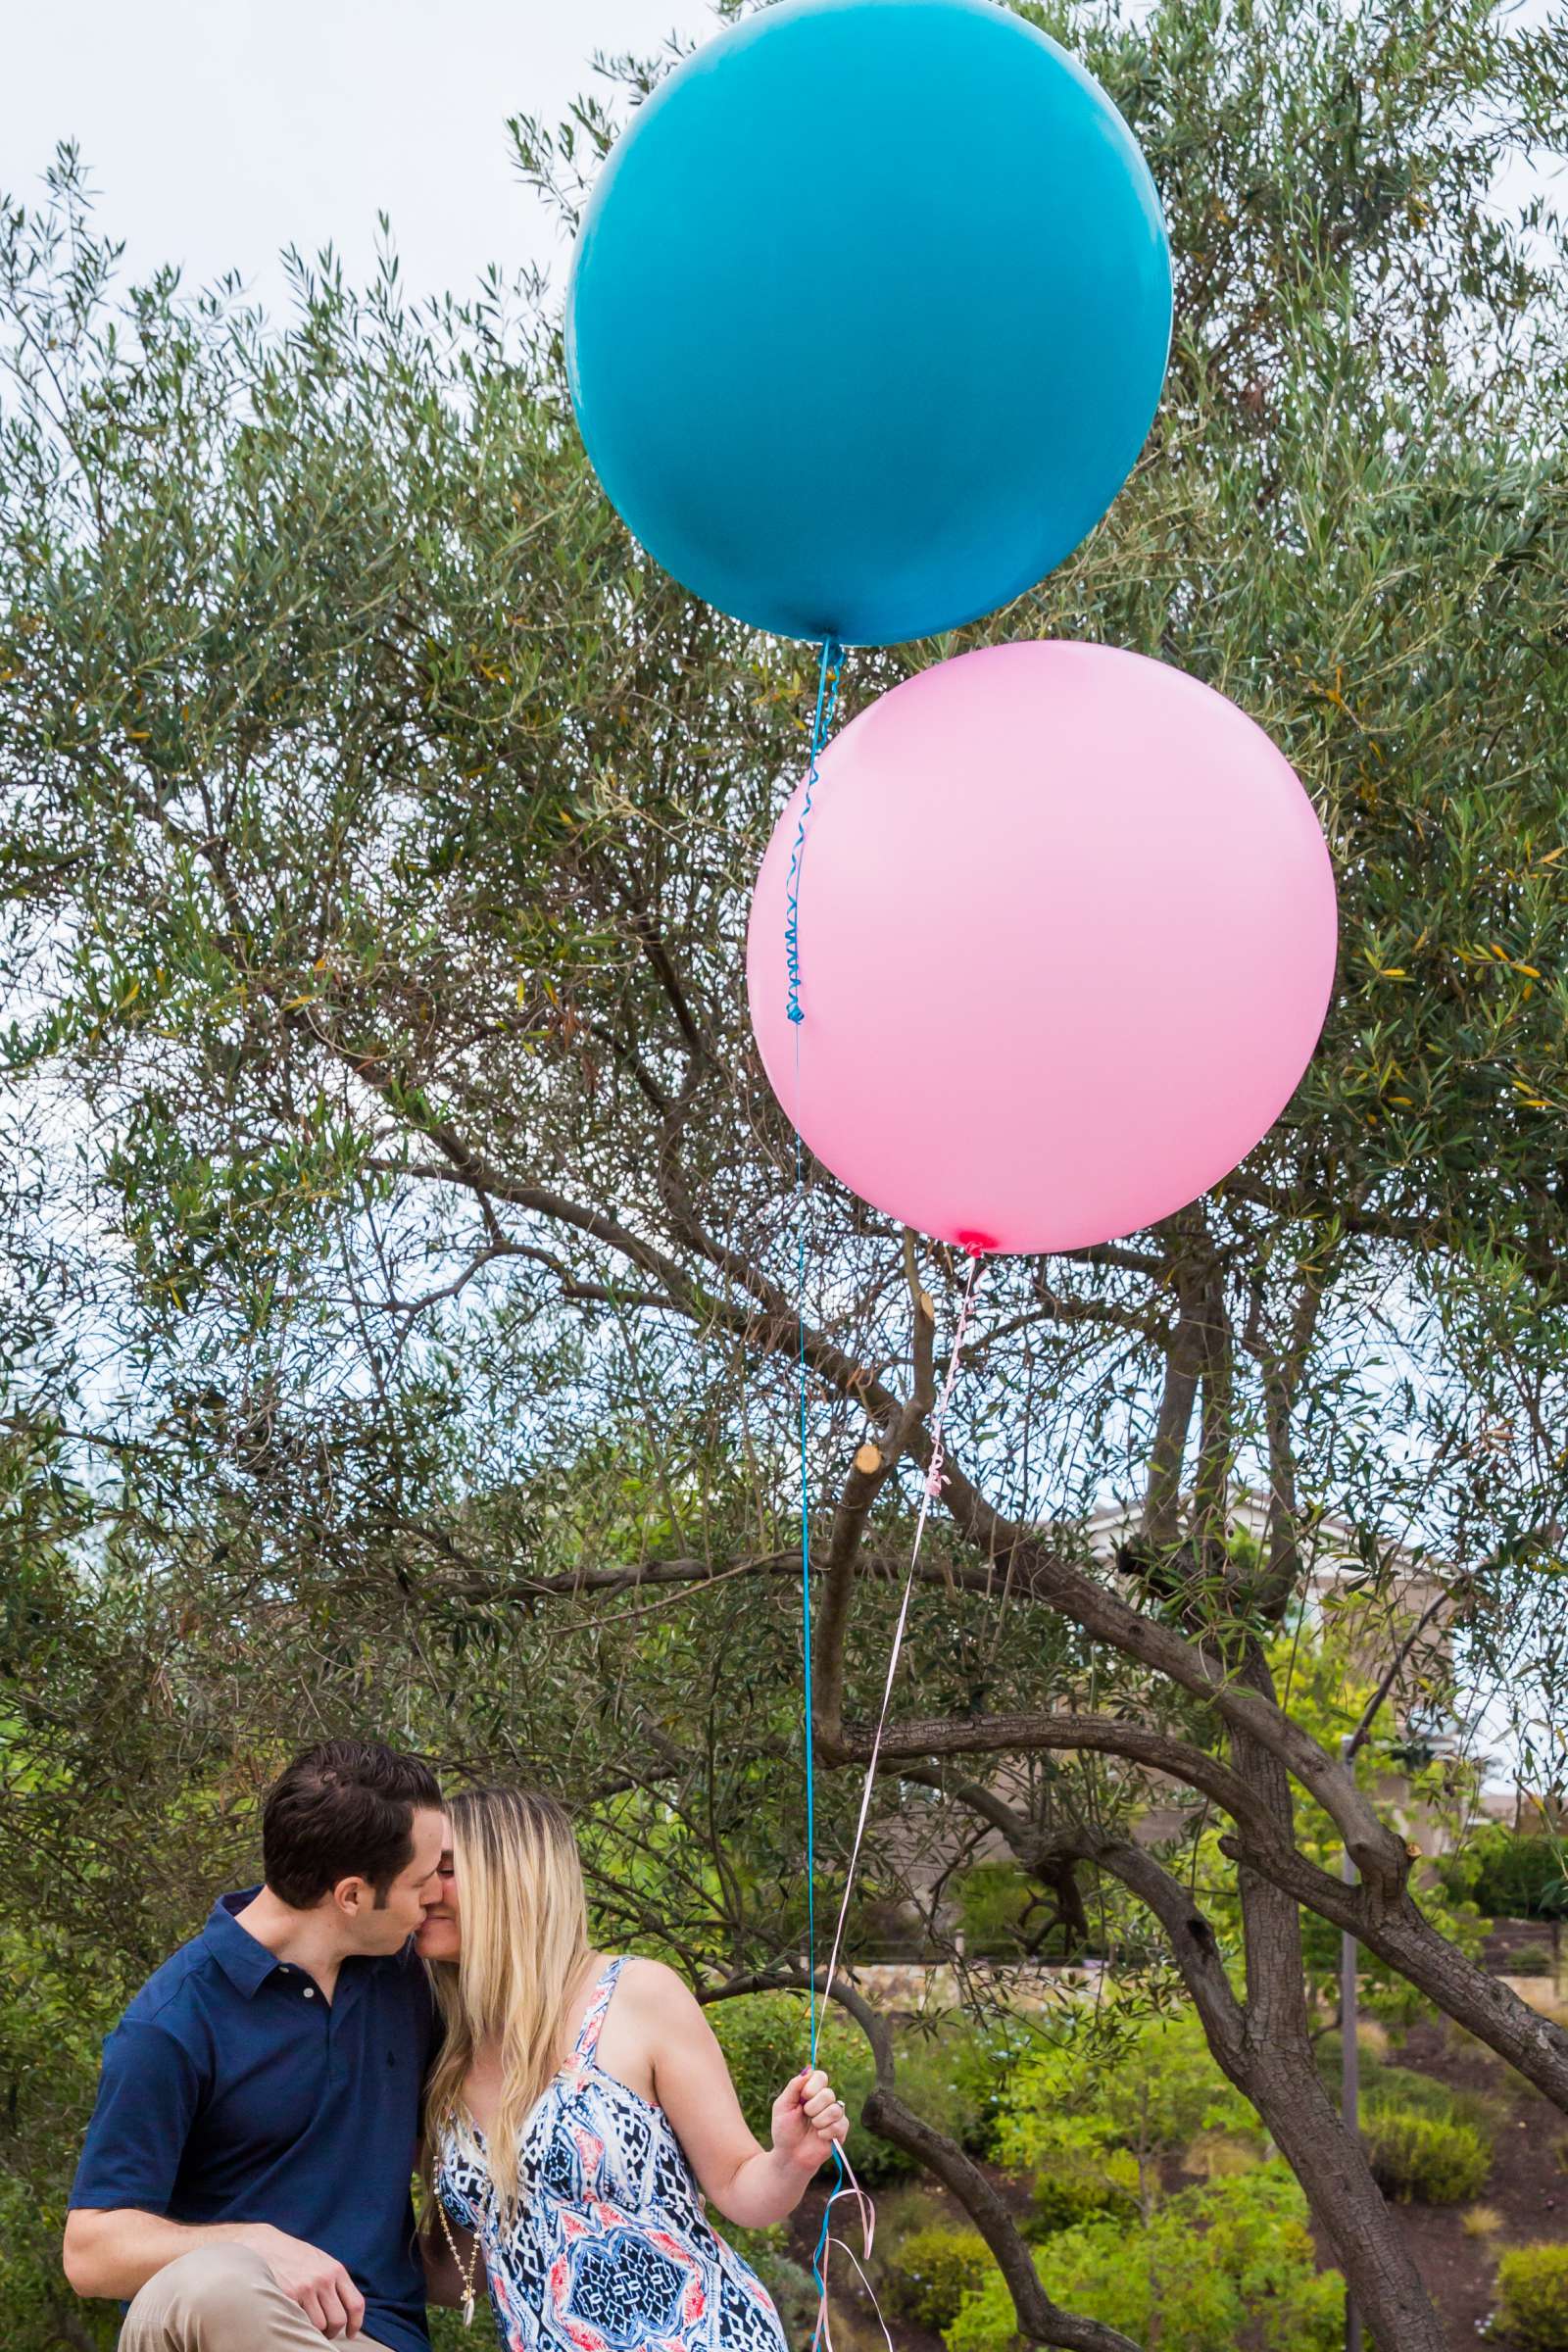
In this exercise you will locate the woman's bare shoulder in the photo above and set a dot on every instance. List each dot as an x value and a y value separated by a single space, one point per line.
650 1988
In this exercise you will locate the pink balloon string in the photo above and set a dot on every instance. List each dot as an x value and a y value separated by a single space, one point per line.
930 1492
849 2191
822 2332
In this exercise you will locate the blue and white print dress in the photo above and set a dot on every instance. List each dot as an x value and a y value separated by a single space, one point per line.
610 2250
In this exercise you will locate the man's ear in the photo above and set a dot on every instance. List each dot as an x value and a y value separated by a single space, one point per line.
352 1896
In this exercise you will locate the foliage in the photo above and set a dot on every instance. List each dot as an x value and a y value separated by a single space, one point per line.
766 2038
1004 1915
37 2300
398 1327
952 2071
932 2270
1533 2297
1229 2262
1124 2079
1320 1668
959 2067
1423 2157
1426 2141
1412 2092
1532 1960
48 2058
1082 2177
1092 2113
1510 1875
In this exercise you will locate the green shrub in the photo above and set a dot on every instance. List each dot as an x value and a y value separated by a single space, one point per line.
1154 2083
1393 2001
1531 1960
1080 2183
1509 1876
984 2060
765 2037
1425 2157
1533 2297
947 2076
1421 2094
952 2075
1214 2266
932 2270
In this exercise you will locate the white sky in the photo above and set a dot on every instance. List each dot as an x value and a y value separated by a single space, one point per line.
219 131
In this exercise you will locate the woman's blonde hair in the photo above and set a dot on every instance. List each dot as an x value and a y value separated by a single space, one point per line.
524 1922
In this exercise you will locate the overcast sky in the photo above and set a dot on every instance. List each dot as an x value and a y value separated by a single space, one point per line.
219 131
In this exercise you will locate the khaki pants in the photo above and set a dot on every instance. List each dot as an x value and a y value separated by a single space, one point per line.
221 2299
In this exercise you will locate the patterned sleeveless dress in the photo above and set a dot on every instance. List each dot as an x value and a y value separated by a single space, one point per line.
610 2251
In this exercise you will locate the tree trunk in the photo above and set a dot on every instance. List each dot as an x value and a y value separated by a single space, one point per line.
1276 2069
1286 2088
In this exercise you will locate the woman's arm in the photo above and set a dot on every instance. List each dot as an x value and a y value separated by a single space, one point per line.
446 2248
751 2186
447 2274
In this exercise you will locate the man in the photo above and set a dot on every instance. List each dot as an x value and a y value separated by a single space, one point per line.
245 2179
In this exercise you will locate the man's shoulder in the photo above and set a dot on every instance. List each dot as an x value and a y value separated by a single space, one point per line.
181 1985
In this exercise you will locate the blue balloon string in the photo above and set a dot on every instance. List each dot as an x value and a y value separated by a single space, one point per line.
805 1563
827 694
828 697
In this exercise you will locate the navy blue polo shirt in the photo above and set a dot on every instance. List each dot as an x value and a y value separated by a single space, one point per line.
231 2091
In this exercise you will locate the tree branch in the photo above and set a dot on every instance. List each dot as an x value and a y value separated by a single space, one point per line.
1102 1734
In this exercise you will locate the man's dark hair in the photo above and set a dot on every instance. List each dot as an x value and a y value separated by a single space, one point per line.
343 1810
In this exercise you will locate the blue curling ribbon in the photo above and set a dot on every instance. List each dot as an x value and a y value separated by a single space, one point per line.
827 694
828 697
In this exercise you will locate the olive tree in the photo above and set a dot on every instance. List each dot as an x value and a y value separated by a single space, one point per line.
411 1244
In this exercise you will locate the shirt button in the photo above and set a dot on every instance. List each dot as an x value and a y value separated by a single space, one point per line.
309 1993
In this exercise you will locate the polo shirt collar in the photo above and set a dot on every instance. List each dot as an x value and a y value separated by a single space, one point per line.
243 1958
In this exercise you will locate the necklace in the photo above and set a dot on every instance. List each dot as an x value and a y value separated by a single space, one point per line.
468 2276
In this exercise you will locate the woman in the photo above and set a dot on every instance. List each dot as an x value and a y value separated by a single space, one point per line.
574 2100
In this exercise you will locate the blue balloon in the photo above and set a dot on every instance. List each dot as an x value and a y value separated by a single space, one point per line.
868 316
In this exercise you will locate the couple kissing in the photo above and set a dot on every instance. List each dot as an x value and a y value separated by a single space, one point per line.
414 1985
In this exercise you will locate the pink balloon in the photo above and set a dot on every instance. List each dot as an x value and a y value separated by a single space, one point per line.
1066 943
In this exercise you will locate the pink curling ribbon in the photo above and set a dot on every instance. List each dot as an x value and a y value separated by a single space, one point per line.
823 2334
